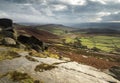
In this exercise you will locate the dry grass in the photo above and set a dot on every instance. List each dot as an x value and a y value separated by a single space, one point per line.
96 60
44 54
51 54
31 58
39 34
8 55
16 76
16 49
92 61
44 67
36 54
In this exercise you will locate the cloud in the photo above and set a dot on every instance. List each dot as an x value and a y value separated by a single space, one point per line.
115 17
59 7
61 11
74 2
3 14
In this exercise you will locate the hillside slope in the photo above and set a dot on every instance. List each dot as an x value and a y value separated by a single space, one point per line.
55 28
40 34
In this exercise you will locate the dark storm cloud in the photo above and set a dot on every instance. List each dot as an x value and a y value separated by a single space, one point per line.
60 11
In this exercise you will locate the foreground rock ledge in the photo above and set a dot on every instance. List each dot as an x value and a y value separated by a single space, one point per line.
64 72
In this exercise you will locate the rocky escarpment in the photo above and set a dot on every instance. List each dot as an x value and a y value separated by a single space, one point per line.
10 37
7 33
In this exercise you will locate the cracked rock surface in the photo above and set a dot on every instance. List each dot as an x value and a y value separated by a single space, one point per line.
64 72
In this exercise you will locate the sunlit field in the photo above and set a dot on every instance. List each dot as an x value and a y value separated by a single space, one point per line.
104 43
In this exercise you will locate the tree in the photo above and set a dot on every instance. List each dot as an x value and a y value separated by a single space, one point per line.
95 49
63 41
77 42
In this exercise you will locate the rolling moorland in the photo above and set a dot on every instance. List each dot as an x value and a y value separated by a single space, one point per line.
53 53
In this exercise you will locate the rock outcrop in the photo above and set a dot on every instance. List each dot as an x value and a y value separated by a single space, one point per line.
6 29
32 42
115 72
8 41
10 37
7 32
4 22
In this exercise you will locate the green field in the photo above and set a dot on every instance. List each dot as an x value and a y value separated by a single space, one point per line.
104 43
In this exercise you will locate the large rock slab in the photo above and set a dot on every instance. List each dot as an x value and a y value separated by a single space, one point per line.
64 72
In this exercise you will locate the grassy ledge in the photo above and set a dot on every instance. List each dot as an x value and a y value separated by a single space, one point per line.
44 67
8 55
16 76
31 58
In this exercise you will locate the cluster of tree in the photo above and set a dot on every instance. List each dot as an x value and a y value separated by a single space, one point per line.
78 44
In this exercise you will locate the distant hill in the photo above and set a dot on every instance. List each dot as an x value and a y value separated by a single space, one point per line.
98 31
98 28
55 28
97 25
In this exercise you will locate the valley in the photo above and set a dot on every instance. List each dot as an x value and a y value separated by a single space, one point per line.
52 53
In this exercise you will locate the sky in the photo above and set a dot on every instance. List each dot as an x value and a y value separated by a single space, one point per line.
60 11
